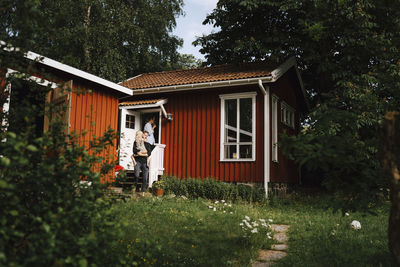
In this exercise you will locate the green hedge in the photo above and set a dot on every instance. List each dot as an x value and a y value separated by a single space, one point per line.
212 189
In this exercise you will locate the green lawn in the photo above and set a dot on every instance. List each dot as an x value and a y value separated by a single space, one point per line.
179 232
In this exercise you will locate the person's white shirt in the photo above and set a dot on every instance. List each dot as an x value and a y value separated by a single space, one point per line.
149 128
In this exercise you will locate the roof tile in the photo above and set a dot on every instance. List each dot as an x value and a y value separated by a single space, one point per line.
201 75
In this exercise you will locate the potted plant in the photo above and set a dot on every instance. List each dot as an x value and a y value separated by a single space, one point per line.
158 187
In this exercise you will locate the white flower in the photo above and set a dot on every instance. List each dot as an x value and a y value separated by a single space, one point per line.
254 231
269 235
214 209
229 205
262 220
356 225
216 202
225 204
231 212
270 220
241 224
347 214
210 207
264 225
247 218
254 223
224 211
247 224
223 201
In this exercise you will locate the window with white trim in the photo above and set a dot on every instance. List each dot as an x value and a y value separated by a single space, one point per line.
287 115
274 117
130 121
238 131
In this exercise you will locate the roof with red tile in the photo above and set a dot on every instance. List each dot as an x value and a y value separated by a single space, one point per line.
207 74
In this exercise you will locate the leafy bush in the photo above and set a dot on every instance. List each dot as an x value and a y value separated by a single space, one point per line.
49 215
213 189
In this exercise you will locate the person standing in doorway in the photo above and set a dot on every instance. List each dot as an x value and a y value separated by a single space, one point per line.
140 154
149 127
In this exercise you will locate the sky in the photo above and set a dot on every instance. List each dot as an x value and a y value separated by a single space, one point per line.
190 25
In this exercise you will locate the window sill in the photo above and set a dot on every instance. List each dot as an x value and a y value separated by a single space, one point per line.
237 160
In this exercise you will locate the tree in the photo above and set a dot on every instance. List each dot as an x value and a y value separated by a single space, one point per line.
391 163
348 55
186 61
109 38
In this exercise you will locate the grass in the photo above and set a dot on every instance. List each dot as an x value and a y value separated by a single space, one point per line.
179 232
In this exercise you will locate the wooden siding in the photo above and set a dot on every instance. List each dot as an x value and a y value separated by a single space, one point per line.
192 138
92 113
285 88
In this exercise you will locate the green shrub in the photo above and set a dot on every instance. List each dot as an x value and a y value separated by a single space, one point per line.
48 216
212 189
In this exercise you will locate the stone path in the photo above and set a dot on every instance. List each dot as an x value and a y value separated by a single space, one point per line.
267 257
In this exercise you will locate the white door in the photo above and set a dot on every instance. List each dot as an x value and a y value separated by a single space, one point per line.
130 124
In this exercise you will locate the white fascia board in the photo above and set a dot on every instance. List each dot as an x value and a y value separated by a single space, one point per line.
155 105
35 79
74 71
196 86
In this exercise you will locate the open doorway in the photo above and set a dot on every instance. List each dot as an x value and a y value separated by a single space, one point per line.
146 116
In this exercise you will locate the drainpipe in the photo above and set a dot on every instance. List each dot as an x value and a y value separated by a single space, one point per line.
267 161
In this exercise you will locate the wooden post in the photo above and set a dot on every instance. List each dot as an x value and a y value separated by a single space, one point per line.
391 163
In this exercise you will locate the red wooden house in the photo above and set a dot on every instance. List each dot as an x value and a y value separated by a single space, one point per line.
92 104
222 121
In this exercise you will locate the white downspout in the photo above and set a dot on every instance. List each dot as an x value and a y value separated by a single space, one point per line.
267 160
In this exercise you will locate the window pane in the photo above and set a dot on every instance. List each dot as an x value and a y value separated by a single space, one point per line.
231 136
230 120
245 151
246 119
230 152
130 121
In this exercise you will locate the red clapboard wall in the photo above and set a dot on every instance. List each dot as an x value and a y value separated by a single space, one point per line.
192 138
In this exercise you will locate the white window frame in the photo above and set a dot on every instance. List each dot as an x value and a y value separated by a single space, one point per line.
274 118
285 111
238 96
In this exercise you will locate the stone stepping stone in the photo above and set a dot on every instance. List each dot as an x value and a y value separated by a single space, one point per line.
280 247
281 237
279 228
266 258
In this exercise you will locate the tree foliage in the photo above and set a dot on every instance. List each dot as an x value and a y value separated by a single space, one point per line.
109 38
348 55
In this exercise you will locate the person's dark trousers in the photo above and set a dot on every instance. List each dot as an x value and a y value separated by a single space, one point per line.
145 172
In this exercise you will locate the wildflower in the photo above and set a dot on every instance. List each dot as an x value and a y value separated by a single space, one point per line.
270 220
262 220
247 224
229 205
225 204
223 201
247 218
347 214
269 236
254 231
216 202
241 224
356 225
224 211
214 209
210 207
255 224
231 212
